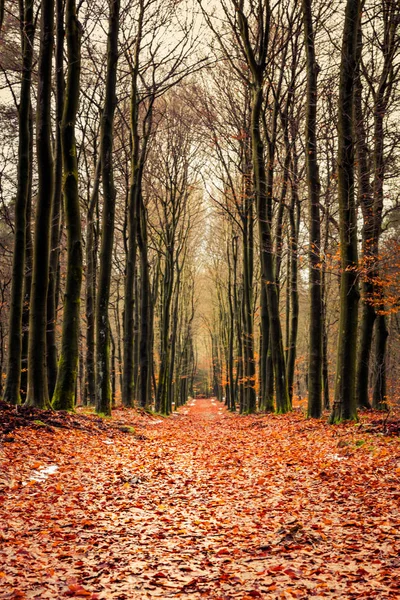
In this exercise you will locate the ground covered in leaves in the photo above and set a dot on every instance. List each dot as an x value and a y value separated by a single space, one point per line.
203 504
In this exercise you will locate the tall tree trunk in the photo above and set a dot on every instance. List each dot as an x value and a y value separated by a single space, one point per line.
13 383
38 393
91 289
325 366
294 220
145 295
129 380
103 381
168 284
315 332
136 337
28 272
249 370
52 295
267 266
64 392
366 201
379 397
345 403
231 333
113 369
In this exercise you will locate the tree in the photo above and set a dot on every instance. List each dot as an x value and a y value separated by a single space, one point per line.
12 389
64 392
53 291
256 57
345 404
103 380
315 352
38 394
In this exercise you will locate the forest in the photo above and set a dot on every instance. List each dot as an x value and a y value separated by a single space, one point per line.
200 269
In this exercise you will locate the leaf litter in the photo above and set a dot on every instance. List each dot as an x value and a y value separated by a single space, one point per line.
203 505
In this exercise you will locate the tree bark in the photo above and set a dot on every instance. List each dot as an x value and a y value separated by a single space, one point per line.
13 382
52 295
103 380
28 273
129 377
91 289
314 187
267 266
345 402
366 201
38 394
65 389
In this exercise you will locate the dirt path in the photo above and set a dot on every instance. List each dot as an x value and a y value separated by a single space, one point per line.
203 504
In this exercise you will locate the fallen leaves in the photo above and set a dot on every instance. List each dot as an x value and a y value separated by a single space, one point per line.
202 505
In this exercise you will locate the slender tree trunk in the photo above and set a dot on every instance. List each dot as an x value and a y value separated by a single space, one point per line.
315 333
103 380
38 394
91 289
294 220
173 372
231 335
381 333
267 266
113 369
325 367
144 358
345 403
52 295
131 301
64 393
13 382
129 380
28 273
366 201
136 339
249 370
379 398
162 389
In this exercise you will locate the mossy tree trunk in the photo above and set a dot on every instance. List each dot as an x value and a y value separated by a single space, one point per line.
65 390
103 375
345 402
38 394
13 382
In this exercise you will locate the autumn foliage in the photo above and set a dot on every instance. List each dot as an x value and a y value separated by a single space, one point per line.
203 504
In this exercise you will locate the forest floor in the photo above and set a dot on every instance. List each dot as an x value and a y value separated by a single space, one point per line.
203 504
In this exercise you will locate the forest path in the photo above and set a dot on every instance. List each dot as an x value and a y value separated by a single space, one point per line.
203 504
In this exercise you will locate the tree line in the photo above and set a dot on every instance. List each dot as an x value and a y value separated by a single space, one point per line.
150 145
